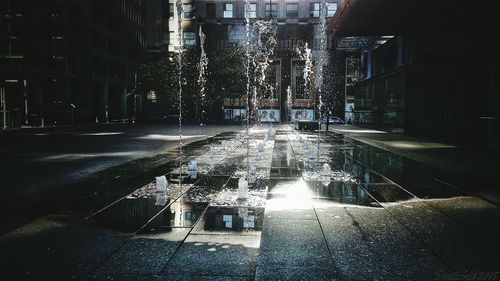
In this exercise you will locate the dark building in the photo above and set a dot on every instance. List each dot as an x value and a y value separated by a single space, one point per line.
156 14
63 61
437 72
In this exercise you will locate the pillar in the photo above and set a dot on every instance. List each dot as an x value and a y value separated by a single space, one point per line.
369 62
400 54
103 103
25 92
123 103
3 104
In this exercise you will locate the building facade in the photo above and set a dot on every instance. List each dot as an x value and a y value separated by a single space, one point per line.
65 61
223 23
432 77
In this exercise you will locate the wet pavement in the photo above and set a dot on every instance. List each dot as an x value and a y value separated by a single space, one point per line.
45 169
354 213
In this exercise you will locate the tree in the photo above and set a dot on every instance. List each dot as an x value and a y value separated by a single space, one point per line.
226 78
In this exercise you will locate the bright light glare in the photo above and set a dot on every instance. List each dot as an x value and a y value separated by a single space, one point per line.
293 196
361 131
76 156
102 134
168 137
416 145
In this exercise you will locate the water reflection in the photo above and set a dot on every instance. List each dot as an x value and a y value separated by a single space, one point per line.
388 193
184 214
128 215
342 192
238 219
138 208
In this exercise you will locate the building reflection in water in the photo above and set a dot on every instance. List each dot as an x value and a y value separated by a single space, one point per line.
132 213
183 213
351 193
233 218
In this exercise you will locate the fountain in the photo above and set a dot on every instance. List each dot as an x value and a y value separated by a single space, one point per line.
160 199
252 175
161 184
259 156
264 35
180 14
322 60
248 57
289 103
161 191
326 174
311 155
224 145
212 153
261 147
327 170
242 189
193 169
202 67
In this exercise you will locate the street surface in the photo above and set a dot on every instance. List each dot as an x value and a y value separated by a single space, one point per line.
359 213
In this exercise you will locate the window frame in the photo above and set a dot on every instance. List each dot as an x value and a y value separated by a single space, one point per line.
313 12
188 15
253 10
328 10
292 13
189 40
226 11
270 12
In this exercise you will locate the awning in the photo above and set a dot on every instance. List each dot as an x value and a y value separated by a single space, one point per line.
394 17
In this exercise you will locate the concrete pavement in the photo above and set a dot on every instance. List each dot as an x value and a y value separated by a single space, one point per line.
370 217
461 163
41 167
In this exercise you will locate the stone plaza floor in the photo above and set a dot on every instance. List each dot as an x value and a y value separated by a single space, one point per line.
373 215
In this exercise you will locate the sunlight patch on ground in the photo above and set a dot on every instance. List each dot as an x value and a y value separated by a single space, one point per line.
102 134
416 145
76 156
361 131
169 137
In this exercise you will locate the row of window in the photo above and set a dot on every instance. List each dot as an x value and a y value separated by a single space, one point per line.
271 10
292 10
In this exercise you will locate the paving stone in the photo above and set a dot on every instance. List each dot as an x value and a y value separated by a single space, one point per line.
219 255
146 253
264 273
293 243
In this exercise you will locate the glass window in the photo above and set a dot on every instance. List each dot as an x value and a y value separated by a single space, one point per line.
300 89
228 221
270 90
228 10
253 10
236 33
292 10
152 96
271 10
314 10
188 11
171 10
189 38
331 9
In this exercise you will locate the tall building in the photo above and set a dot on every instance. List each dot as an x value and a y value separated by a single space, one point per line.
435 75
63 61
223 23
